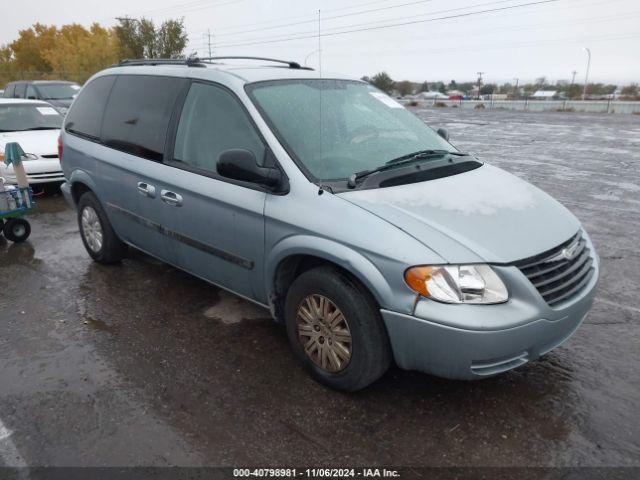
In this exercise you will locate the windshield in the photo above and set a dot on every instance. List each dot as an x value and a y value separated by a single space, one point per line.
362 128
58 91
17 117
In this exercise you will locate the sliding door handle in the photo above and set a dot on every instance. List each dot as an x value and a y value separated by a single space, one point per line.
147 190
171 198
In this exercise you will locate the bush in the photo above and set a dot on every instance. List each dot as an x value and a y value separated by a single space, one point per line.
568 109
440 104
480 106
413 103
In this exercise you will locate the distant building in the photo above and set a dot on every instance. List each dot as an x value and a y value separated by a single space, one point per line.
545 95
431 95
455 94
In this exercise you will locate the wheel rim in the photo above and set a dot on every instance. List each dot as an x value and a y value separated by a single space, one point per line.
324 333
92 229
19 230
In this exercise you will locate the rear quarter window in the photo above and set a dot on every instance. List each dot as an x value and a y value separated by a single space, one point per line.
8 93
137 116
85 116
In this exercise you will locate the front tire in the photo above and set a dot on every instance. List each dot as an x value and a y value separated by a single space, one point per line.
335 330
98 236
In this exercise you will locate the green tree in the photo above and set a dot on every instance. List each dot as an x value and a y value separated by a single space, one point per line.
631 92
383 81
405 87
142 39
424 87
488 89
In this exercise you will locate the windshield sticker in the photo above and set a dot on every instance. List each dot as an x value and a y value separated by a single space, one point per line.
387 100
75 87
47 111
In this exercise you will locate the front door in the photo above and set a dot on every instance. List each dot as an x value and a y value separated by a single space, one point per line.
216 225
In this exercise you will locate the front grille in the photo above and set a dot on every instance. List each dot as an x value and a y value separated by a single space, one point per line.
561 273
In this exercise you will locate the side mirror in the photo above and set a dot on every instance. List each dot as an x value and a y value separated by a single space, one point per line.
241 164
443 133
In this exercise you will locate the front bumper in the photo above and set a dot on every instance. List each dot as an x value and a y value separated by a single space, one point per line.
474 341
38 171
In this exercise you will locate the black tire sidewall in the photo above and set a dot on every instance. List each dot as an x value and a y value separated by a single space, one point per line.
370 355
112 249
11 224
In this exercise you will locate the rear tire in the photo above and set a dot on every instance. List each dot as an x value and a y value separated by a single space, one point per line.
98 236
16 229
340 309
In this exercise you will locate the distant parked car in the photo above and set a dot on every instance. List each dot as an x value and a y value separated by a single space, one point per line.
35 125
58 93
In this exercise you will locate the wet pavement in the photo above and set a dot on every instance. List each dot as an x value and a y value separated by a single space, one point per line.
142 364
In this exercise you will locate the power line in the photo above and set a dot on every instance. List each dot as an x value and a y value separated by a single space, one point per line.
286 35
245 25
187 7
413 22
330 18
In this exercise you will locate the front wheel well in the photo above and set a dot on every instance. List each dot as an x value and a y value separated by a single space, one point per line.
292 267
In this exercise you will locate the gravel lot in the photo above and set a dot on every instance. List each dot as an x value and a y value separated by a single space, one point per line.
141 364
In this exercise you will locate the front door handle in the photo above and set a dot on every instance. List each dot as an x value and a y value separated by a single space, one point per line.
147 190
171 198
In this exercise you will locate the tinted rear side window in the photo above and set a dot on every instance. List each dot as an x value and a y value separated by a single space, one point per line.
137 117
85 116
20 90
8 93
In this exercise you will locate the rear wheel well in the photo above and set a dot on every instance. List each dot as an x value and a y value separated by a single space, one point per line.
77 189
295 265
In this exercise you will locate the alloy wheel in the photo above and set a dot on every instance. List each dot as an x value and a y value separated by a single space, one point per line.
92 229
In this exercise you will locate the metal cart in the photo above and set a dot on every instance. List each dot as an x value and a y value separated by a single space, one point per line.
14 204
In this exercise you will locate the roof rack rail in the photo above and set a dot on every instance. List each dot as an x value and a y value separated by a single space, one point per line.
291 64
190 62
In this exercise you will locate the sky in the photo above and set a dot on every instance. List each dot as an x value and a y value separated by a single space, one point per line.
410 39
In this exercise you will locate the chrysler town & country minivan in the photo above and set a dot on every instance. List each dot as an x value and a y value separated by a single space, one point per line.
364 231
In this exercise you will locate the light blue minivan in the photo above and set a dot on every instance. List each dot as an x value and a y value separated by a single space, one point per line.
364 231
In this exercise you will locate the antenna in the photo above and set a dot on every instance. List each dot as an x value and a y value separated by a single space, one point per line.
319 48
321 189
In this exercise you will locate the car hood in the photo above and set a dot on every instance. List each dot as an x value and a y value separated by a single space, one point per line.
39 142
485 215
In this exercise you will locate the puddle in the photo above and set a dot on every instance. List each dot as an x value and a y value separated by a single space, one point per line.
231 310
99 325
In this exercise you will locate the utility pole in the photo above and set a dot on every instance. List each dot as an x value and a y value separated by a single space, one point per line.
573 77
208 35
515 91
479 83
586 75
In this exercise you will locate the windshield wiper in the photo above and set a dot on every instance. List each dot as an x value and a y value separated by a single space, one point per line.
399 161
423 154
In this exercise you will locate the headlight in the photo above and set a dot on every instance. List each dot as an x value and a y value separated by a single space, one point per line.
457 283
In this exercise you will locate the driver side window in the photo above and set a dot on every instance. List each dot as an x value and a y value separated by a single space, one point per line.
213 121
31 92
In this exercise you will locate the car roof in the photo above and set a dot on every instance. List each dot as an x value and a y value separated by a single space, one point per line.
8 101
56 82
236 72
